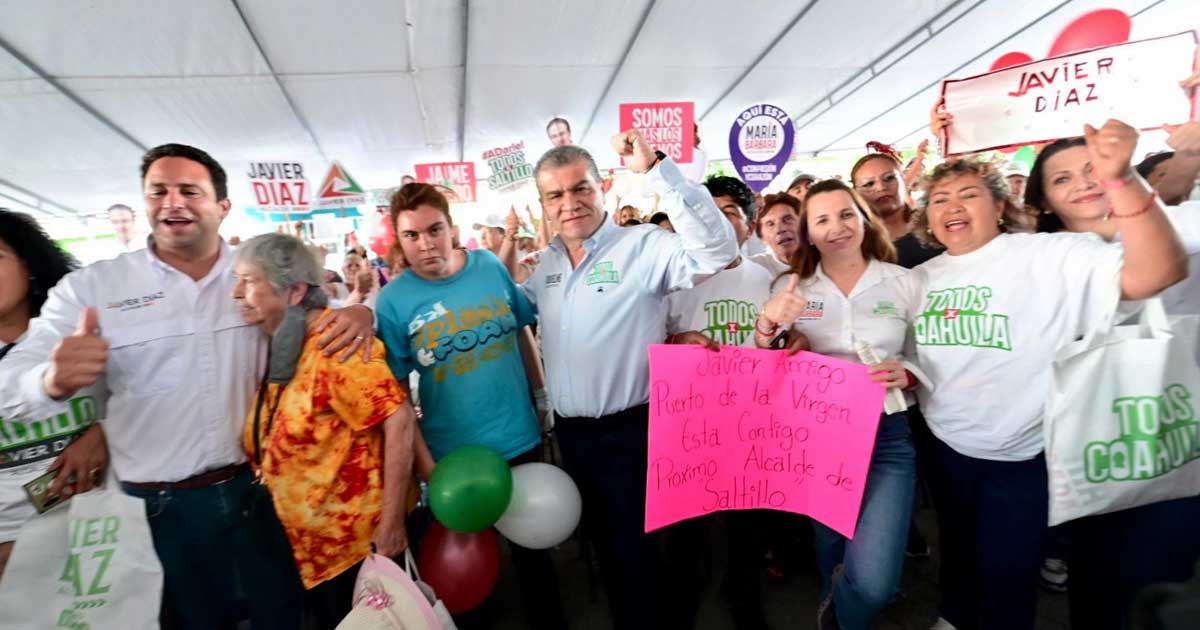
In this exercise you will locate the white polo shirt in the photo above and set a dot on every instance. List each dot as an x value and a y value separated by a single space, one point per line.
874 312
597 318
182 366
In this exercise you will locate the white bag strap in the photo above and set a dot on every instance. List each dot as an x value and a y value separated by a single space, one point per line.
1153 322
410 565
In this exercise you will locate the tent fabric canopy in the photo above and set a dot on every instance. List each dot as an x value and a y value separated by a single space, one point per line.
381 85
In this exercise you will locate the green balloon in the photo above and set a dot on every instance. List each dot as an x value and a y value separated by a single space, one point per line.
470 488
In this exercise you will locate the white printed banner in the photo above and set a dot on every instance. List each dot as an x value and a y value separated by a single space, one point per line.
1135 82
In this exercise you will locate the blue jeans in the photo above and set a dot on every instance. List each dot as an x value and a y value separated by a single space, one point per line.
873 559
991 523
214 569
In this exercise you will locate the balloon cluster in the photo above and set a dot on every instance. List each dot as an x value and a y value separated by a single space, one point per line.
472 488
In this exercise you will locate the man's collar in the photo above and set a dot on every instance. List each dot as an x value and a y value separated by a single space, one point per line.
224 258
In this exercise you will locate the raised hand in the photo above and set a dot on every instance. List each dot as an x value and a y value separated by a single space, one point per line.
1111 148
787 306
631 146
78 360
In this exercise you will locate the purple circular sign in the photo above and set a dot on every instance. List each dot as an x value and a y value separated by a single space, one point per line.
760 143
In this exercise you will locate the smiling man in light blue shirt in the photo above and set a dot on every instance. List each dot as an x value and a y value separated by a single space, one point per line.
600 294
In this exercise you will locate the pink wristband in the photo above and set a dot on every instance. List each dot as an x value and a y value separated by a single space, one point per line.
1114 184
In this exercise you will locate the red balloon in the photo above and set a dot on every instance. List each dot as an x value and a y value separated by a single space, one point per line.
1103 27
1010 59
461 568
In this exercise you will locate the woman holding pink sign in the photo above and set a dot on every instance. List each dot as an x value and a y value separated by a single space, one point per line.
849 310
988 317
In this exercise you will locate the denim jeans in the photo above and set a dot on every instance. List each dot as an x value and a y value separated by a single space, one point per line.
991 523
873 559
214 570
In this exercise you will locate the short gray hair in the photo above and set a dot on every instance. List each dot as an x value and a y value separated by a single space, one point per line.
287 262
559 157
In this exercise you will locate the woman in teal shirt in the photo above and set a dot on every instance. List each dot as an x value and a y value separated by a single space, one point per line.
456 317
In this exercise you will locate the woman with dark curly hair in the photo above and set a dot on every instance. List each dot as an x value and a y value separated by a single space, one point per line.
30 265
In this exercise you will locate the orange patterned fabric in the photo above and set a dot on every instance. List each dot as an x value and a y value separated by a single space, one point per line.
323 458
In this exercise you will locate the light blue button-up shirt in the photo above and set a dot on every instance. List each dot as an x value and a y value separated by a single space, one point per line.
598 318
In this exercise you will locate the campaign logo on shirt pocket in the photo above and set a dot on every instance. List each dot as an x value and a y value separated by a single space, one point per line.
885 309
603 272
814 309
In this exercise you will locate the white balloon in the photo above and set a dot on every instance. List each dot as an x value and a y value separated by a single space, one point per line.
544 509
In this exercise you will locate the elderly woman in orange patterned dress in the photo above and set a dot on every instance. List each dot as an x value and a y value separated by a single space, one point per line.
332 441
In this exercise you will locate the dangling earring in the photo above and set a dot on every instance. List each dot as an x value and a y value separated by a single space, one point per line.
1000 221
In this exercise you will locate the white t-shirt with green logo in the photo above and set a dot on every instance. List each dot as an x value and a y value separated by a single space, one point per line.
29 445
987 325
724 307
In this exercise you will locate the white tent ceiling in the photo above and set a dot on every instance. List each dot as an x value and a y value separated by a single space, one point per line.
87 86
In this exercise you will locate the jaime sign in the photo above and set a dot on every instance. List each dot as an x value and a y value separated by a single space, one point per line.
457 177
745 429
667 127
760 143
1135 82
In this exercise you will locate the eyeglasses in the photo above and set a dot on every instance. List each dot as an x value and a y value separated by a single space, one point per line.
886 180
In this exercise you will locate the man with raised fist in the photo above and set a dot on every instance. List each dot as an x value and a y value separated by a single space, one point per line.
599 292
158 332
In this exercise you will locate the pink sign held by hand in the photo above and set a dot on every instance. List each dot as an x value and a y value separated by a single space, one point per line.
745 429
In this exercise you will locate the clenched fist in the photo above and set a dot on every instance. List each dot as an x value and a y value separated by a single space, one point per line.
631 146
78 360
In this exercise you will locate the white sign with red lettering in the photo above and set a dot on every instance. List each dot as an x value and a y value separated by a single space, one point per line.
279 187
1135 82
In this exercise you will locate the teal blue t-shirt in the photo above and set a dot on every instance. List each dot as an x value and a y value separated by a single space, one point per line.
460 334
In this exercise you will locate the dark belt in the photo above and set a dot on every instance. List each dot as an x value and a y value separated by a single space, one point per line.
202 480
635 414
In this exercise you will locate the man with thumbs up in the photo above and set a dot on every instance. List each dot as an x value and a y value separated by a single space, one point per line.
78 359
599 292
158 332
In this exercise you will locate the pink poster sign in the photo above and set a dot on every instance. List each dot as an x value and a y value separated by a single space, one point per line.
744 429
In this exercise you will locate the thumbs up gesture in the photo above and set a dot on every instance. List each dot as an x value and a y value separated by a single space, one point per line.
512 224
631 146
786 307
78 360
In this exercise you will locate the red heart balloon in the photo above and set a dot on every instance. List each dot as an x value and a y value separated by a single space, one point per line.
1103 27
1010 59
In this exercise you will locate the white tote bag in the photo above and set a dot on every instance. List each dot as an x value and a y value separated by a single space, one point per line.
439 608
87 564
387 598
1122 415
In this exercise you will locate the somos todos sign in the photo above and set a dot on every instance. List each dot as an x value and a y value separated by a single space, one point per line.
667 127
